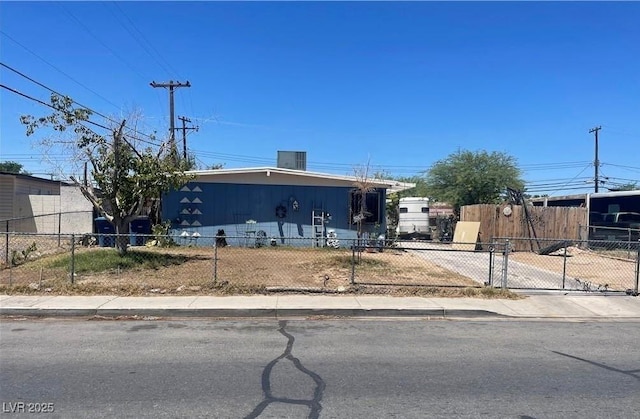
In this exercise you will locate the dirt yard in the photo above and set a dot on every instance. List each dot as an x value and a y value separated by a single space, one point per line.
587 266
239 270
249 270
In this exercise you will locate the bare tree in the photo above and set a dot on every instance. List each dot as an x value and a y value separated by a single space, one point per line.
128 174
363 185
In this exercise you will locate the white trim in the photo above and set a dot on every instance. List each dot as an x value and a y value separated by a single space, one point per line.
615 194
390 184
586 195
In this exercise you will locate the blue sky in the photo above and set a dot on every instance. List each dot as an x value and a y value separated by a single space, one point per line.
401 85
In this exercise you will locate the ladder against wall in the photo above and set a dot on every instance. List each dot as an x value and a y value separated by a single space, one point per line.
318 227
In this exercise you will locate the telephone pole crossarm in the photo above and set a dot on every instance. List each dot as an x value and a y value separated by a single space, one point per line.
184 134
171 85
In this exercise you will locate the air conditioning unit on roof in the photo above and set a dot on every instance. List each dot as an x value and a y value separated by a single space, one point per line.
295 160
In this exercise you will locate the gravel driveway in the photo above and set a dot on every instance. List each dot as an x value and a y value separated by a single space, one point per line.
475 265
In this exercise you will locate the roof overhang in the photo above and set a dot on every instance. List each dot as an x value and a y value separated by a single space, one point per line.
590 195
280 176
614 194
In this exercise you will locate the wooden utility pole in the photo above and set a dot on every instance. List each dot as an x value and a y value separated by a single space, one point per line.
184 134
596 162
171 85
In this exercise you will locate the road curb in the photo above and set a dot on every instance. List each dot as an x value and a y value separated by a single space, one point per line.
472 313
47 312
250 312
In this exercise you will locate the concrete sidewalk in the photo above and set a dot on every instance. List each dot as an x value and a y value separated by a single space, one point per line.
536 306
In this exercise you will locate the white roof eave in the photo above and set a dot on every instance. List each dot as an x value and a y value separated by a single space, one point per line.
389 184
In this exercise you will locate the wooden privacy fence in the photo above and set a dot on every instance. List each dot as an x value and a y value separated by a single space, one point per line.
547 222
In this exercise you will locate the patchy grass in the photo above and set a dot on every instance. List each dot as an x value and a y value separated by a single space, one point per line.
236 271
100 260
344 262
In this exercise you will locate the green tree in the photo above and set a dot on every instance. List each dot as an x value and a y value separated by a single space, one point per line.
13 167
420 189
467 178
127 178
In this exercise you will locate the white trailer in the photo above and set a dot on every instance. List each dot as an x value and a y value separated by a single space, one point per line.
413 218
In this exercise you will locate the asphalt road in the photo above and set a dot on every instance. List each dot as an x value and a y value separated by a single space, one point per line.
320 368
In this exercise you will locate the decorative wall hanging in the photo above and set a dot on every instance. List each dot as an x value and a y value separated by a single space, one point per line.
281 211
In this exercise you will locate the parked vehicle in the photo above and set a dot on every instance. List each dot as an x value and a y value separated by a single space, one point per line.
413 218
615 226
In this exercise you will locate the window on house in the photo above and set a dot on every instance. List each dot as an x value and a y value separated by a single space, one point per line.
425 209
371 206
404 210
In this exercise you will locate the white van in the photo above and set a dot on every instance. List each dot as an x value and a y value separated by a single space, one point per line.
413 218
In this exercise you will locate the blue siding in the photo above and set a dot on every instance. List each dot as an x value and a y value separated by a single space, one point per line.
207 207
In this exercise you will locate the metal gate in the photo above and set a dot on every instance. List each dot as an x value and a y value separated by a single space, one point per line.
574 265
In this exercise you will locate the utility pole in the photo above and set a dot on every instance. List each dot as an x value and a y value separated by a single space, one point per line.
171 85
184 134
596 162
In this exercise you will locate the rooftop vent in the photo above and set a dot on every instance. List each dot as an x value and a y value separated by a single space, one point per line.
296 160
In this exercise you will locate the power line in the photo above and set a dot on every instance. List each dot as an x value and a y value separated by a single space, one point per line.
564 186
169 69
417 168
576 188
47 104
77 103
86 29
58 70
26 96
133 35
553 166
628 168
551 185
65 74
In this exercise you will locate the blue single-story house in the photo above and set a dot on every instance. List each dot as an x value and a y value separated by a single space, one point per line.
275 206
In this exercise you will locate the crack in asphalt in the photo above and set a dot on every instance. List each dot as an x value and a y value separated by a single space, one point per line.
313 404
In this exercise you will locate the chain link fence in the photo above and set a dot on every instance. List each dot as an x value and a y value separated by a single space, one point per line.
610 233
558 264
190 264
53 223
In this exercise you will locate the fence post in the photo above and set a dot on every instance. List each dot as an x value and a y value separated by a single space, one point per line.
10 264
492 251
59 228
215 264
353 263
505 264
564 265
72 272
637 268
6 245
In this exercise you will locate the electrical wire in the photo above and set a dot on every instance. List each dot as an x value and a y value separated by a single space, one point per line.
168 68
24 95
62 95
58 70
87 30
